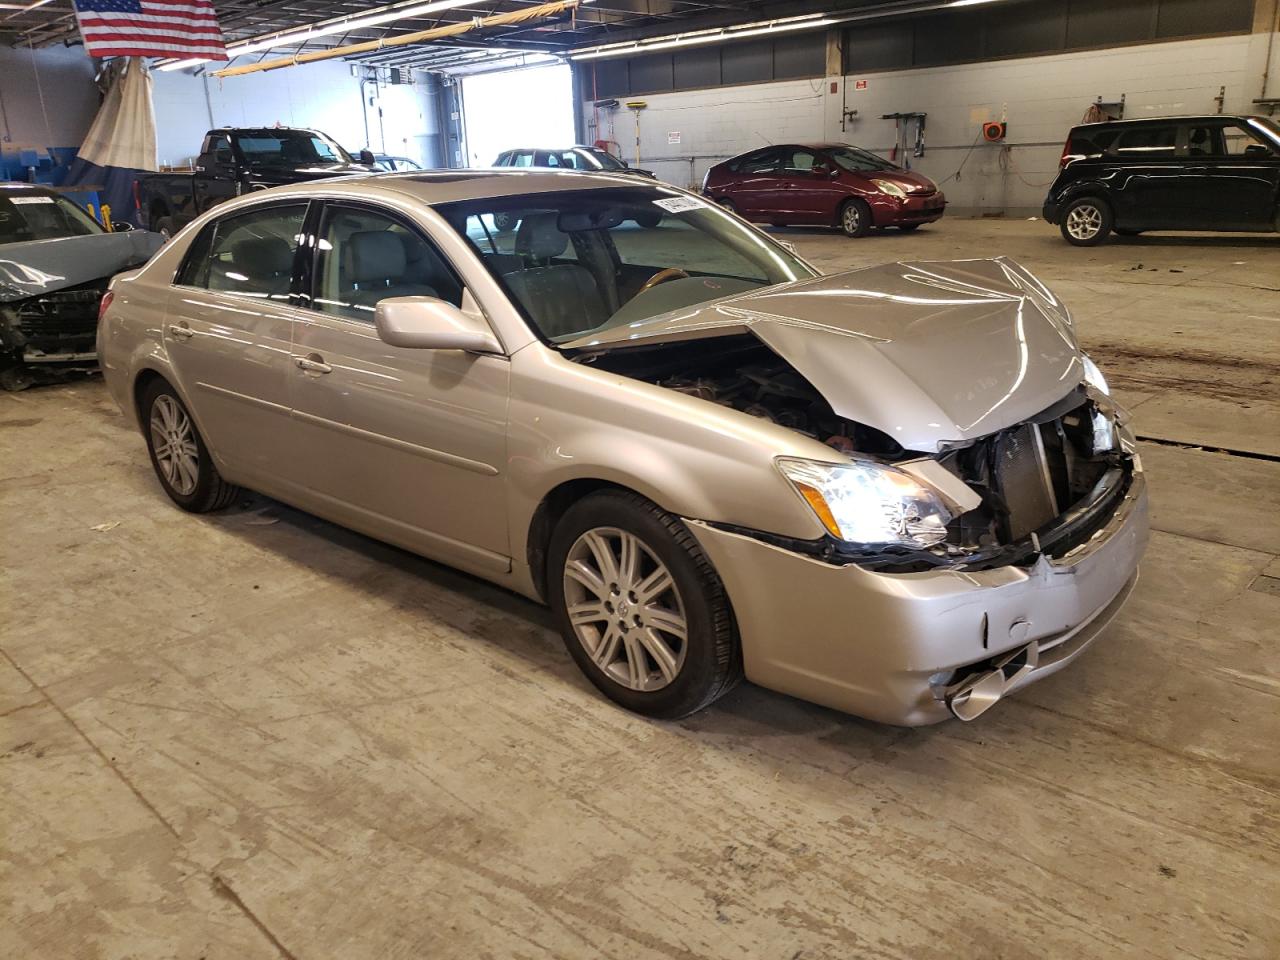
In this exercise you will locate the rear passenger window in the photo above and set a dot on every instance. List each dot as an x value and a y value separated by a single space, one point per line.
248 254
1148 142
523 160
365 256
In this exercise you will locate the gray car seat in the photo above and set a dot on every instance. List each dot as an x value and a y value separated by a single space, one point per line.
561 298
261 265
374 269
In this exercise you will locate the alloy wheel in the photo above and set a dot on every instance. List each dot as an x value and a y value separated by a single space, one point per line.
625 609
1084 221
851 218
173 440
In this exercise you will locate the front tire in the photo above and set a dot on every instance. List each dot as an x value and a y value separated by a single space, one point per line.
641 610
855 218
178 453
1086 221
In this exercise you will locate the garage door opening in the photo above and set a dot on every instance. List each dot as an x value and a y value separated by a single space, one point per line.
532 107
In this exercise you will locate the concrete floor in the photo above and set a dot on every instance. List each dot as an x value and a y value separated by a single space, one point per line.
256 735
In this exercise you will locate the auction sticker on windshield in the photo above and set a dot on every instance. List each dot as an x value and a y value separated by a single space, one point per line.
21 200
679 204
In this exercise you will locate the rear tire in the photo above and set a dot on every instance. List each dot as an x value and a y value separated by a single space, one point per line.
651 625
178 453
164 227
728 205
855 218
1086 221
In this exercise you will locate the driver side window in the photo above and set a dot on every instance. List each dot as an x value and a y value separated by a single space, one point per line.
365 256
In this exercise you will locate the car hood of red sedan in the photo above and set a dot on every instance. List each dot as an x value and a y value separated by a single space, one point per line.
930 353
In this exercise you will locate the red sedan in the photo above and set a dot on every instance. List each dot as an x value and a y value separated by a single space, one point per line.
831 184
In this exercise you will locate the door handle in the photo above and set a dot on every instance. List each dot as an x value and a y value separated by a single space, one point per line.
312 364
181 331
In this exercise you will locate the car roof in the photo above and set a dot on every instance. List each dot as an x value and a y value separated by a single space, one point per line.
1190 118
448 186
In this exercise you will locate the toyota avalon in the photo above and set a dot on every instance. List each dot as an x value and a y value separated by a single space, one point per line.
903 491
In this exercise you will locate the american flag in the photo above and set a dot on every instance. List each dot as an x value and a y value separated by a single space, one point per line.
150 28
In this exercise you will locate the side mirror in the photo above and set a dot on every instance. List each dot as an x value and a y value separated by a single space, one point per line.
428 323
366 157
820 170
1256 150
121 226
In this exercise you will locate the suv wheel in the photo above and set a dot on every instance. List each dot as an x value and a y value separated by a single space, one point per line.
641 609
1086 221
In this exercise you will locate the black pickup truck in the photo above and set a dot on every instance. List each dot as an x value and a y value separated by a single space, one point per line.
236 160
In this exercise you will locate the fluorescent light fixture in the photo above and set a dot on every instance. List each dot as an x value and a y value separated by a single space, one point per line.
325 28
762 28
718 35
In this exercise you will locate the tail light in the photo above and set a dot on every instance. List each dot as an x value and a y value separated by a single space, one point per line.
1066 154
104 303
706 177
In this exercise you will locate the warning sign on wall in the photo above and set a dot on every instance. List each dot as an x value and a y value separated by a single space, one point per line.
859 84
673 136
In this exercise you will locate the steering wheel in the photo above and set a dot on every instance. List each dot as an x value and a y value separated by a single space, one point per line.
662 276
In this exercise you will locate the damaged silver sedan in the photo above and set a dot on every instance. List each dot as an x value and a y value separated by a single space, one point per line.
903 492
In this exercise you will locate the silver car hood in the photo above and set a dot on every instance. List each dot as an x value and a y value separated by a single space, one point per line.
930 353
42 266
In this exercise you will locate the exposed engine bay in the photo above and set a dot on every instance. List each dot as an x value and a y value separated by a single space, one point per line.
1044 485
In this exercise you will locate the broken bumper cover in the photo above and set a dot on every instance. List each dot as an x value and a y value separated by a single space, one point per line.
897 647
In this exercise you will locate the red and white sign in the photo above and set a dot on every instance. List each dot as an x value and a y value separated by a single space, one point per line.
859 84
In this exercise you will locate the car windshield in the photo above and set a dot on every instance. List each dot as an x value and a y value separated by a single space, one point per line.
607 160
275 148
1269 125
42 217
581 261
859 161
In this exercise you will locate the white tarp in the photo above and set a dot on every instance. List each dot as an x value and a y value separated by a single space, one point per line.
123 134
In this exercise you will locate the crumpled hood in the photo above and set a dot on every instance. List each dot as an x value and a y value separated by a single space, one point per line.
930 353
42 266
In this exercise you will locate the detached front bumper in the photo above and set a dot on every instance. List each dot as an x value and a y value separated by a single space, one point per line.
891 647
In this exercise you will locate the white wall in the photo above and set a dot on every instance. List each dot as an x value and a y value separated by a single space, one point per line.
1045 96
64 76
323 96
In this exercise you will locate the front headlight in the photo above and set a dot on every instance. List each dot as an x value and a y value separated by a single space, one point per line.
891 188
1093 376
869 503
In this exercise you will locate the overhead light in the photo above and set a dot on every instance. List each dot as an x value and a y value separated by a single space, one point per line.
764 28
718 35
324 28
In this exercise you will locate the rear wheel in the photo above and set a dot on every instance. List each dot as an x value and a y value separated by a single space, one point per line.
164 227
178 454
641 609
728 205
1086 221
855 218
